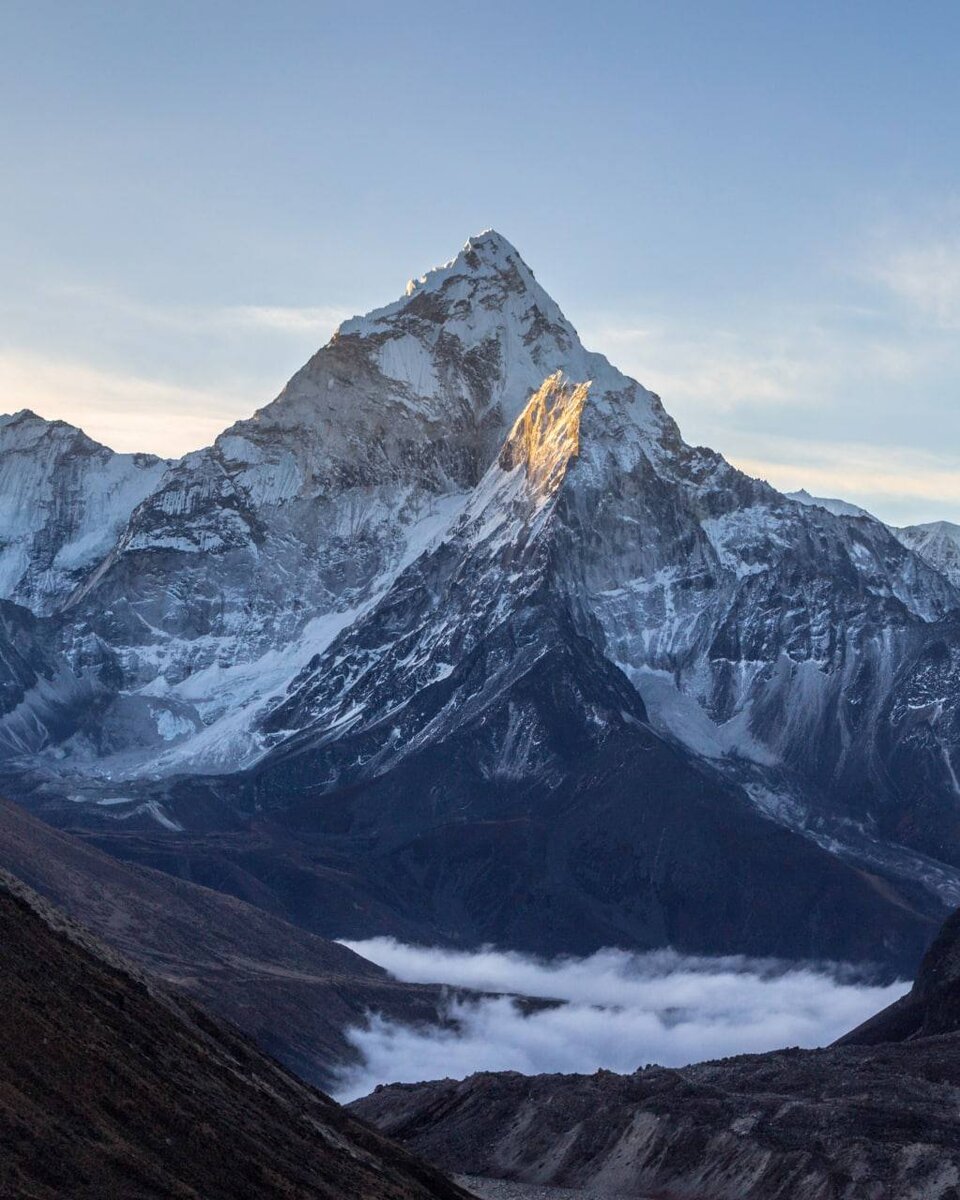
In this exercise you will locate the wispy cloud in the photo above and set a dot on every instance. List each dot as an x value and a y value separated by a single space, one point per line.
195 369
316 321
853 400
622 1011
716 369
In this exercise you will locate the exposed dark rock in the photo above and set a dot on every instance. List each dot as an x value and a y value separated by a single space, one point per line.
850 1123
932 1005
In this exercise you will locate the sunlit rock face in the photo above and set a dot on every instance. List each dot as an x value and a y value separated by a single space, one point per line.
546 435
461 557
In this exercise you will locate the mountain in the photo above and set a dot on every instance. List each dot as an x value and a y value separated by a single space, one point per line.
295 994
251 555
937 544
872 1118
459 640
839 508
112 1088
64 500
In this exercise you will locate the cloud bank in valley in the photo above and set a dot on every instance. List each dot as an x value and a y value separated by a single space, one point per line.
620 1011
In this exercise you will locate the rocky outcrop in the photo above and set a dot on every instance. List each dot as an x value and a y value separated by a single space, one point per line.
849 1123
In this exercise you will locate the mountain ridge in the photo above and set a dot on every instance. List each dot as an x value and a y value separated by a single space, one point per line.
295 994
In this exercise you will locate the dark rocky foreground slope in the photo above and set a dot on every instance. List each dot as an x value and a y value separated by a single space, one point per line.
294 993
875 1117
839 1124
932 1006
110 1089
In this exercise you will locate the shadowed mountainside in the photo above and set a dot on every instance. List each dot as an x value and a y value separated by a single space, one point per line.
932 1006
293 992
111 1089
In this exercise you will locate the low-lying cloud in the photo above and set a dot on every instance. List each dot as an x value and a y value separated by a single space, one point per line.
620 1011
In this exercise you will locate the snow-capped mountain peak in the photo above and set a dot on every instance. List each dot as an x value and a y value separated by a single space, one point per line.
487 254
487 272
460 414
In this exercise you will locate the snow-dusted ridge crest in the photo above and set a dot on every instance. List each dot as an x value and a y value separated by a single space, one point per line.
451 499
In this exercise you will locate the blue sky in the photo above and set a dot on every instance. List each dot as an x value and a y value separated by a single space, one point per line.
754 208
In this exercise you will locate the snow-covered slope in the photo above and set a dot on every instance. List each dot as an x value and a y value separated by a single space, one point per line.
938 544
64 499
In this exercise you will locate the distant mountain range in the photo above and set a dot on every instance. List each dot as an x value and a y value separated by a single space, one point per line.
937 543
459 640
